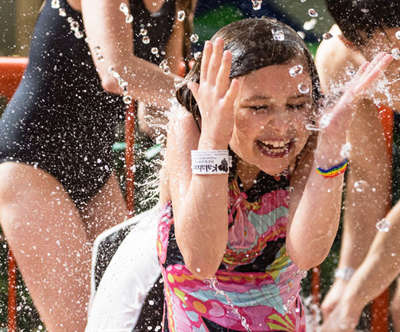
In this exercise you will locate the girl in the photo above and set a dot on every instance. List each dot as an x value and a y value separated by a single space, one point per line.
252 198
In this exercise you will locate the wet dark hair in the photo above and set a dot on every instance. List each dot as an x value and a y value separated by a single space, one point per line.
255 43
359 19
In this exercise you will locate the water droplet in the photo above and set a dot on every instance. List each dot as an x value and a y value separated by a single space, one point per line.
74 25
128 19
198 270
154 50
295 70
310 24
327 35
383 225
325 120
127 100
181 15
303 88
55 4
303 1
350 71
365 10
194 38
78 34
312 12
278 35
145 40
397 34
100 58
123 8
345 151
61 12
312 127
143 32
256 4
301 34
396 54
360 186
69 19
197 55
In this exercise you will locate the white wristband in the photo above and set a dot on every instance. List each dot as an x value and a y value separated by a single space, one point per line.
211 161
344 273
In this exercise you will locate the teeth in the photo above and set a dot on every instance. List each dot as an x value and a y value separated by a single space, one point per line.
276 144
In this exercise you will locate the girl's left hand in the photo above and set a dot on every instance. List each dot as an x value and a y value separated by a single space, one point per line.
338 119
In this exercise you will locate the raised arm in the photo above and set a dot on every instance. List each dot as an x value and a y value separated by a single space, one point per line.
315 219
200 202
106 28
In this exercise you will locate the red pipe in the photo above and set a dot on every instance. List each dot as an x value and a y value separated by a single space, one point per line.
130 158
11 71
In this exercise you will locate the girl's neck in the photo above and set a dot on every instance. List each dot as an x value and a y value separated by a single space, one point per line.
247 173
153 6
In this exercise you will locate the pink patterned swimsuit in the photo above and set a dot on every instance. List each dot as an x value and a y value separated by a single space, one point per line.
257 285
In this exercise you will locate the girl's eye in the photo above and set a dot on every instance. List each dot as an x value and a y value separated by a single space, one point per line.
296 106
258 108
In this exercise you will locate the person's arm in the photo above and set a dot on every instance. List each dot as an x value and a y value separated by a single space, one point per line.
313 223
106 28
375 274
200 202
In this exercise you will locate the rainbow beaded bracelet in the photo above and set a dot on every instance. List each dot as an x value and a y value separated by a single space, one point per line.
333 171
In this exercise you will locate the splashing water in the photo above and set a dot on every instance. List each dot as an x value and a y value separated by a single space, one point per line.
154 50
295 70
214 285
396 54
397 34
194 38
383 225
55 4
303 88
301 34
278 35
360 186
164 66
310 24
325 120
312 127
181 15
256 4
327 35
124 9
312 12
345 151
145 40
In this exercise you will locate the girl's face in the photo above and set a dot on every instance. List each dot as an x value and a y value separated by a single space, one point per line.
270 117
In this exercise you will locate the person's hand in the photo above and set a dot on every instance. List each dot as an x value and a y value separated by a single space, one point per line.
344 318
339 117
215 94
333 297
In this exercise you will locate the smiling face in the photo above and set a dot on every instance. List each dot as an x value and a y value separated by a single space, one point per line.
270 115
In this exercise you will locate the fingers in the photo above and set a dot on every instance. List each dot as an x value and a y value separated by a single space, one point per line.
232 92
215 62
374 69
208 48
223 80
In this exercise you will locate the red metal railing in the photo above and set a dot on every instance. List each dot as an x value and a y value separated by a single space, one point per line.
11 71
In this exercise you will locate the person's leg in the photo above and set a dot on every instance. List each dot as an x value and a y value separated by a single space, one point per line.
395 307
48 239
106 209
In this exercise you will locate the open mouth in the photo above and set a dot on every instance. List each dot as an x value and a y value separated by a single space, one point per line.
274 149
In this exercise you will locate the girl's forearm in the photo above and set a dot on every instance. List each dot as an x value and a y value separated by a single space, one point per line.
202 226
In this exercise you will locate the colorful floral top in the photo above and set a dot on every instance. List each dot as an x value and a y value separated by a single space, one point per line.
257 285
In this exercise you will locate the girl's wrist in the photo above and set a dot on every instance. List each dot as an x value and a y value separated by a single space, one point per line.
208 143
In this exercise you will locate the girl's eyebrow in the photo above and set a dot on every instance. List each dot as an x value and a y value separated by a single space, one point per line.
256 98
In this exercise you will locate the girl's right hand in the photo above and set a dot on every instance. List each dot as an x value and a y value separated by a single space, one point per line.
216 94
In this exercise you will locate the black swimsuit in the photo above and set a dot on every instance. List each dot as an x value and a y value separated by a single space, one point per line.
60 118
